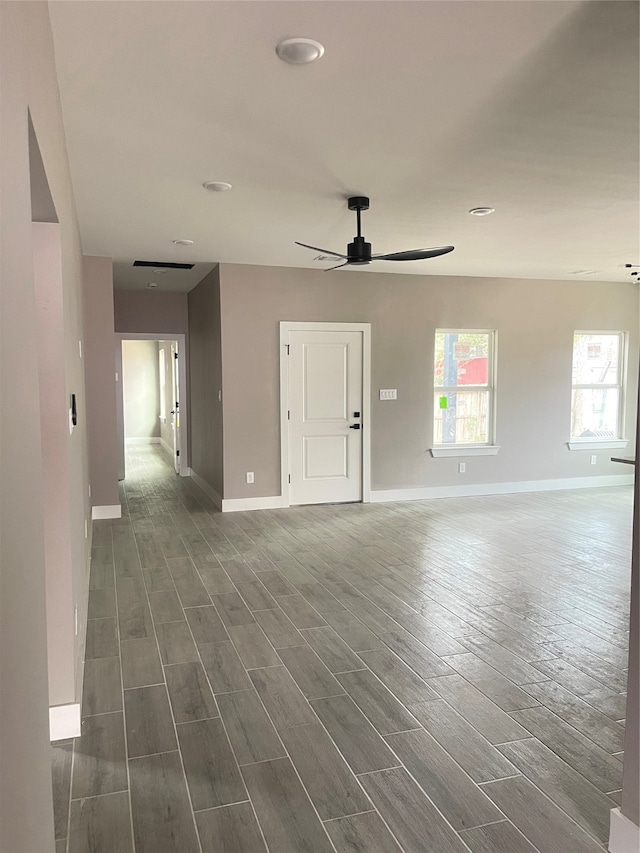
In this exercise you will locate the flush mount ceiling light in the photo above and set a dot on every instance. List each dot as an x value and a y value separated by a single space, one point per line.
482 211
299 51
151 284
217 186
161 272
182 242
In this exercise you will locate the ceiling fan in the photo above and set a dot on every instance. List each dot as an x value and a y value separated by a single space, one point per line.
359 251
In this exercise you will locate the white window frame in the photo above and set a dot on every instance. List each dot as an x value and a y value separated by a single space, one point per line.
488 448
618 442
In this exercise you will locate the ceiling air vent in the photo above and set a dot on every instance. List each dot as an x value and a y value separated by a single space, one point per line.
163 265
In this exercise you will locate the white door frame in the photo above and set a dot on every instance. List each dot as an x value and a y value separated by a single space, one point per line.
287 326
182 378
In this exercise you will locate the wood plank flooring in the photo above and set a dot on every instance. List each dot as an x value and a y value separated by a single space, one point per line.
429 676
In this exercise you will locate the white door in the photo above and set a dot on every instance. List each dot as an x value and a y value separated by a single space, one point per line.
175 407
325 416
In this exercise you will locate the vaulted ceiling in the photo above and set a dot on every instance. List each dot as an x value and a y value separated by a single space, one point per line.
430 108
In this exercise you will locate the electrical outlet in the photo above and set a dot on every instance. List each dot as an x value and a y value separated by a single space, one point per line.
594 459
462 467
250 478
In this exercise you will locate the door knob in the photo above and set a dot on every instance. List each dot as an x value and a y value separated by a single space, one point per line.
354 426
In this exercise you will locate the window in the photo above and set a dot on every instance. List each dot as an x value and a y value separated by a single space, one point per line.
463 391
597 378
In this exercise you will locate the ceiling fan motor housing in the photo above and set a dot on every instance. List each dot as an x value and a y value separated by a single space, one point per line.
359 252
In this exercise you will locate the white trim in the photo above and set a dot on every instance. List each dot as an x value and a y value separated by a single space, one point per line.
461 450
206 488
427 493
245 504
64 721
605 444
100 512
143 440
287 326
624 835
181 339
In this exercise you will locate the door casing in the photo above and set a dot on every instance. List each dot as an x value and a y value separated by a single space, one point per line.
182 381
287 326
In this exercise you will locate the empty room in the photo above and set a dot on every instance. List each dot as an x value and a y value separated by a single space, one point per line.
320 342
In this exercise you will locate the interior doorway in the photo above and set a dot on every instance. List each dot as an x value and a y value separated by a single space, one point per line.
150 373
325 380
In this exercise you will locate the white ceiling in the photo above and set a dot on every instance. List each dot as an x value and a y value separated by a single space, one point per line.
430 108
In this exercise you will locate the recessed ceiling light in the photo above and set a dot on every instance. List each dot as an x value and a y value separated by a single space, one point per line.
183 242
217 186
151 284
482 211
299 51
161 272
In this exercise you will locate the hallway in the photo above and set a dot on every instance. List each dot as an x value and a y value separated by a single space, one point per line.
432 677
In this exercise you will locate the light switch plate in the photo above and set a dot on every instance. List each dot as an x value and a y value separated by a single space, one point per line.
388 393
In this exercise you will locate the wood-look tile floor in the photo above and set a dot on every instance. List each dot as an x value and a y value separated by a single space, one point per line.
432 677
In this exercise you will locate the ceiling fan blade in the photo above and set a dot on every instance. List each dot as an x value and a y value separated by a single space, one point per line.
337 267
414 254
324 251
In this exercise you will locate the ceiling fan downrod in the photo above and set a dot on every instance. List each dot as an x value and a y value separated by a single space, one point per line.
359 251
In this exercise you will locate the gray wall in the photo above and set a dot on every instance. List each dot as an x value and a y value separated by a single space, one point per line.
145 311
141 389
535 321
54 419
28 79
205 364
100 380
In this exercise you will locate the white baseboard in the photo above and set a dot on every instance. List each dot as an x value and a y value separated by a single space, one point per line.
64 721
624 835
100 512
235 504
166 447
426 493
206 488
246 504
143 440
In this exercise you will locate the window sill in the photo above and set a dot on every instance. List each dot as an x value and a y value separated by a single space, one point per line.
604 444
461 450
